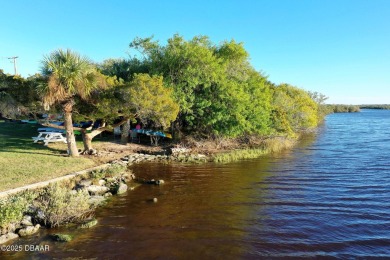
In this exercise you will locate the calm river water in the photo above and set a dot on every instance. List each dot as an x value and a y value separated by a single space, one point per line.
328 197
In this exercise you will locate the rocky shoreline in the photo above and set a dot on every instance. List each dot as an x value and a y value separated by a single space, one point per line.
97 187
100 189
175 154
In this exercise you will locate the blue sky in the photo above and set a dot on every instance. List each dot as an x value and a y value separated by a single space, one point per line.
340 48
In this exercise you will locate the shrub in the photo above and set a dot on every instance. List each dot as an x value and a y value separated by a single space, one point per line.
58 205
111 171
13 208
114 170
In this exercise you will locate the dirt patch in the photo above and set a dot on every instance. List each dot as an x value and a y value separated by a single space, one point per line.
108 151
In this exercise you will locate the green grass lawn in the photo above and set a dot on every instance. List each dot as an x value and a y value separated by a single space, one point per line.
23 162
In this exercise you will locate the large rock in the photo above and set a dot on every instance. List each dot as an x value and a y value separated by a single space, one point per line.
85 183
122 188
96 200
27 221
7 237
62 237
39 215
28 231
159 182
107 195
179 150
10 228
155 182
97 190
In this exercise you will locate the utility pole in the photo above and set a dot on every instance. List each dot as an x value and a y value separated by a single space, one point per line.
14 61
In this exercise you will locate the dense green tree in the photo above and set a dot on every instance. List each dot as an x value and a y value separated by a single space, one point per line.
188 67
245 95
343 108
8 106
379 106
218 91
122 68
144 98
293 110
18 96
150 100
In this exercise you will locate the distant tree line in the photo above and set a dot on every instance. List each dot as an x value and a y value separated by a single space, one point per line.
343 108
189 87
374 106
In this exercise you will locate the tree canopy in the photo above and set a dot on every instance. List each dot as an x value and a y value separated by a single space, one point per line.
195 86
218 91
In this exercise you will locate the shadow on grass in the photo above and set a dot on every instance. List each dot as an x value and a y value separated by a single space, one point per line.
16 137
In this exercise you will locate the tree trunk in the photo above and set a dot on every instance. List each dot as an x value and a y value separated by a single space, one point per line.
87 141
88 137
68 124
125 132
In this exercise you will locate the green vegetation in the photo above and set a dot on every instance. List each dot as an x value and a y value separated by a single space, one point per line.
12 208
23 162
191 87
294 110
18 96
343 108
52 206
112 171
374 106
163 110
238 155
219 93
271 145
60 205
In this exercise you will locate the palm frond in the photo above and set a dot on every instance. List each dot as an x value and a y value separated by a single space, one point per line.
69 75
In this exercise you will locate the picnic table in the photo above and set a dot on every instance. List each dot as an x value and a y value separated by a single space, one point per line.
49 137
154 135
51 129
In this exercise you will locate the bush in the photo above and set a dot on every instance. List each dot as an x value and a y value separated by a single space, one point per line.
111 171
58 205
13 208
114 170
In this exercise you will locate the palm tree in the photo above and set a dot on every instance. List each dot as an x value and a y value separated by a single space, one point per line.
69 75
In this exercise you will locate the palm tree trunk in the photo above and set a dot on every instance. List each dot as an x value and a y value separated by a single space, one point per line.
68 124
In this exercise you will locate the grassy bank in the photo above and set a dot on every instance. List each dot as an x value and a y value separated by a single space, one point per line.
224 150
23 162
268 146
